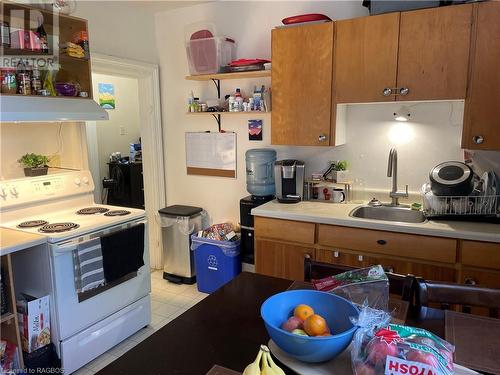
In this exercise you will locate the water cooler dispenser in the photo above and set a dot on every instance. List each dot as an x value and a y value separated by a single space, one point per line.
260 184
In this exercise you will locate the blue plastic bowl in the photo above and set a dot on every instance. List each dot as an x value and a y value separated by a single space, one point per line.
336 311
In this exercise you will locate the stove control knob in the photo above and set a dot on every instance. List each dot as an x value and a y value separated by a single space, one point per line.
85 180
77 181
3 193
13 191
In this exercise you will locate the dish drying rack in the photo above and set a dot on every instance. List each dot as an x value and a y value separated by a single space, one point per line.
472 206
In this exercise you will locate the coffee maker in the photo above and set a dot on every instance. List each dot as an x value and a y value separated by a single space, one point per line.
289 180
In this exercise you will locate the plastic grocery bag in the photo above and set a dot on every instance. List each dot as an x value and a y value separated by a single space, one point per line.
381 348
364 284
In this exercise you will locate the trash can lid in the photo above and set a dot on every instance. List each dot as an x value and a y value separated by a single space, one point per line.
180 210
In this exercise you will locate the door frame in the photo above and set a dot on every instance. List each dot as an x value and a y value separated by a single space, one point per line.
151 136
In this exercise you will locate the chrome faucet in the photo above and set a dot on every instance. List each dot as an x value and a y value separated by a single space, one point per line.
392 171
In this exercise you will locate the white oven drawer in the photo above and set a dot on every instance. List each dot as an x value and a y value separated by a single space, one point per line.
97 339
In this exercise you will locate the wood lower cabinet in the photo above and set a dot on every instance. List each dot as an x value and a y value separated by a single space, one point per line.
482 112
433 56
366 58
302 85
281 259
404 267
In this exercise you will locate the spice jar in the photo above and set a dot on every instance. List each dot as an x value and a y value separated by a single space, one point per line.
9 85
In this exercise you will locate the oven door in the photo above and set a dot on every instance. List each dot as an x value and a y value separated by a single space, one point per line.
75 312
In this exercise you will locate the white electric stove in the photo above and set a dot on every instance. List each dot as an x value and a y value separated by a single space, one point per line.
61 208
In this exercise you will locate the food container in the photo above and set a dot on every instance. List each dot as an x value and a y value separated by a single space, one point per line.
25 39
34 322
208 55
9 84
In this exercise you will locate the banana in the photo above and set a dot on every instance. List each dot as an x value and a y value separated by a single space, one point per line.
266 370
274 366
254 367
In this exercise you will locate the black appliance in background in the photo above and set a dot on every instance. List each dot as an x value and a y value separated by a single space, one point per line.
125 185
247 228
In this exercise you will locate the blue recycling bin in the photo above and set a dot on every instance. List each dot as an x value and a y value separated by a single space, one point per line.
217 262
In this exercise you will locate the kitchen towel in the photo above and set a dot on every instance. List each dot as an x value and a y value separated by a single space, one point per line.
87 261
123 252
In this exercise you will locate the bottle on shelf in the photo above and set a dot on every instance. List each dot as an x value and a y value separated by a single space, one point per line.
239 101
23 78
36 82
42 35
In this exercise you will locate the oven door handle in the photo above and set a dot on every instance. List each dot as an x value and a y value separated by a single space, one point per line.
73 245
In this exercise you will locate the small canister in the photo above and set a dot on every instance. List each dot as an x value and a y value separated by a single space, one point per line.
9 84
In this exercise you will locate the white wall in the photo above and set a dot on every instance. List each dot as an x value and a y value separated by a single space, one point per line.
120 28
122 128
60 141
436 127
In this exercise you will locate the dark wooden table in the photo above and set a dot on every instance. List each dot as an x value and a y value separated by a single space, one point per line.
224 329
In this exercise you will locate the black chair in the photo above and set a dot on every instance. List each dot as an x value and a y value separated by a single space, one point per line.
400 285
465 296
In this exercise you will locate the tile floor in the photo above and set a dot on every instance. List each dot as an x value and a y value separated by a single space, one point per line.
168 302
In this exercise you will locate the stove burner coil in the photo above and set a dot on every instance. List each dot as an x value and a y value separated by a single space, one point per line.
32 224
117 213
58 227
92 210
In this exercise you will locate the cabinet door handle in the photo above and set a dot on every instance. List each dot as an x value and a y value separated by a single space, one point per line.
389 269
360 258
322 138
478 139
381 242
404 91
307 256
387 91
336 254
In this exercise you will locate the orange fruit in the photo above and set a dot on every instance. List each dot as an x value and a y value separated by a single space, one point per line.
315 325
303 312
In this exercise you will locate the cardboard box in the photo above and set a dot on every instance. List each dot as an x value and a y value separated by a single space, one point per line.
34 321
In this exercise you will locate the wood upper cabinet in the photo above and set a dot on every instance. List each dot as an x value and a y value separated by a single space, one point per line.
424 51
366 58
302 85
482 109
278 259
433 57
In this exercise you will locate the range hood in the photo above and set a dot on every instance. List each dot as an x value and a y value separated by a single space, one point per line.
39 108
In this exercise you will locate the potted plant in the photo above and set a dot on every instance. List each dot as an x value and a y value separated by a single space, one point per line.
340 173
34 164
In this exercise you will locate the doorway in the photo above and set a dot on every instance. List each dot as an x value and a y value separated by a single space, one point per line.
127 150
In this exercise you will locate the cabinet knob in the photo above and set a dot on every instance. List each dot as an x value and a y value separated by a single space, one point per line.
404 91
322 138
387 91
381 242
478 139
307 256
360 258
470 281
336 254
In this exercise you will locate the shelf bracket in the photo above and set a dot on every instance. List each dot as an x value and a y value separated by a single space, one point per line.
217 118
217 86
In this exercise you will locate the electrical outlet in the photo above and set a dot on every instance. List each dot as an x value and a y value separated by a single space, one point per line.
122 130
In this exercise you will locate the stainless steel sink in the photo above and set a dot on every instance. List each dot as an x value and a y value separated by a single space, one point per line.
388 213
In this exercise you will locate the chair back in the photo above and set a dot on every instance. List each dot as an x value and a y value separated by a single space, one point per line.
446 294
401 285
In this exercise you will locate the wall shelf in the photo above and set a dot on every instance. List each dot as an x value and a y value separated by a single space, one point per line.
235 75
227 113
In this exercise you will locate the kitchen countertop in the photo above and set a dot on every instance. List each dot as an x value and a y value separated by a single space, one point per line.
338 214
14 240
